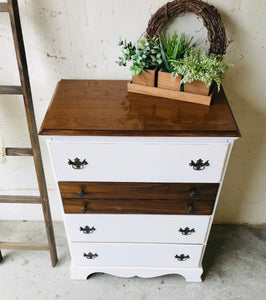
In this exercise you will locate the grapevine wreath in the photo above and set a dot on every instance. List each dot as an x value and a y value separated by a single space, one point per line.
208 13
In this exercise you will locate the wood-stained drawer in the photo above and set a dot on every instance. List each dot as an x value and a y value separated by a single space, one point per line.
138 162
137 228
134 255
138 198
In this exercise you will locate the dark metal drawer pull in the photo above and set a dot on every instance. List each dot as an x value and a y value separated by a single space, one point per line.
182 257
199 165
191 209
193 194
186 231
81 194
90 255
77 163
84 209
87 229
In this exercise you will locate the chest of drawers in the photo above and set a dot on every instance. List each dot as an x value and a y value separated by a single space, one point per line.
139 178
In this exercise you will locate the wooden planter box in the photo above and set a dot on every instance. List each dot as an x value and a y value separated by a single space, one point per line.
165 87
170 94
145 79
197 87
166 81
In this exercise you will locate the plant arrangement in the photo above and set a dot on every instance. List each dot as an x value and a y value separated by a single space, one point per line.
149 53
178 65
181 72
196 66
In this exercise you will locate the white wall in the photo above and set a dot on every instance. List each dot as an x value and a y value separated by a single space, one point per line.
78 39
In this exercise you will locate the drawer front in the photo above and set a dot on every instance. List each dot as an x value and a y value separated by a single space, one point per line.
138 198
134 255
138 206
138 190
137 228
138 162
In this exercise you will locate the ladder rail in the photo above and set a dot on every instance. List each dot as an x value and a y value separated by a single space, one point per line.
13 9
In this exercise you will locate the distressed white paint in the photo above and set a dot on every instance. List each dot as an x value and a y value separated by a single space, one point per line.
78 39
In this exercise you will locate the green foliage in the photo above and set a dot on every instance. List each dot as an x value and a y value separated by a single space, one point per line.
173 48
174 54
198 66
145 55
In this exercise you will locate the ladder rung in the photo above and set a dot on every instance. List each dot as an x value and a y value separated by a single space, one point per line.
19 152
20 199
11 89
24 246
4 7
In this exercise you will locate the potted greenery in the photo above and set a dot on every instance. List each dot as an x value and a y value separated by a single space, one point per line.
200 71
172 48
145 57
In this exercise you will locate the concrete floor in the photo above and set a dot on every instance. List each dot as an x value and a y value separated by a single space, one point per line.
235 268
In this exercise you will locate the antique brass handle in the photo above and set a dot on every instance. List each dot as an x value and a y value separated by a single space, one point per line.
182 257
87 229
186 231
199 165
90 255
77 163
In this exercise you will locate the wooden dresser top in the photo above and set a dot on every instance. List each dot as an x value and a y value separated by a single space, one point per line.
105 108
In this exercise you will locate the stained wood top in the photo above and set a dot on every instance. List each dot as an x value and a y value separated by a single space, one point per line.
105 108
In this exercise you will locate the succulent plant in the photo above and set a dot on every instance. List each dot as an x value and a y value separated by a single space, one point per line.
173 47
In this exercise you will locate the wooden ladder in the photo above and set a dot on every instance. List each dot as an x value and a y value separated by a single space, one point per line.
11 7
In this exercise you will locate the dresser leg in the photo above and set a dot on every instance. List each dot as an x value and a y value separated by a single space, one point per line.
194 275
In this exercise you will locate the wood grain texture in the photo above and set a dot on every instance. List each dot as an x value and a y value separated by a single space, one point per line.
104 107
138 198
128 190
28 103
24 246
3 7
165 81
20 199
10 89
197 87
170 94
138 206
147 78
19 152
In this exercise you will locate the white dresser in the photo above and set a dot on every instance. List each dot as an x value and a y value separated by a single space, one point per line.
139 177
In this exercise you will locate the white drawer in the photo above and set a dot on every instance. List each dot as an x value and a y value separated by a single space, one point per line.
145 255
138 162
137 228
